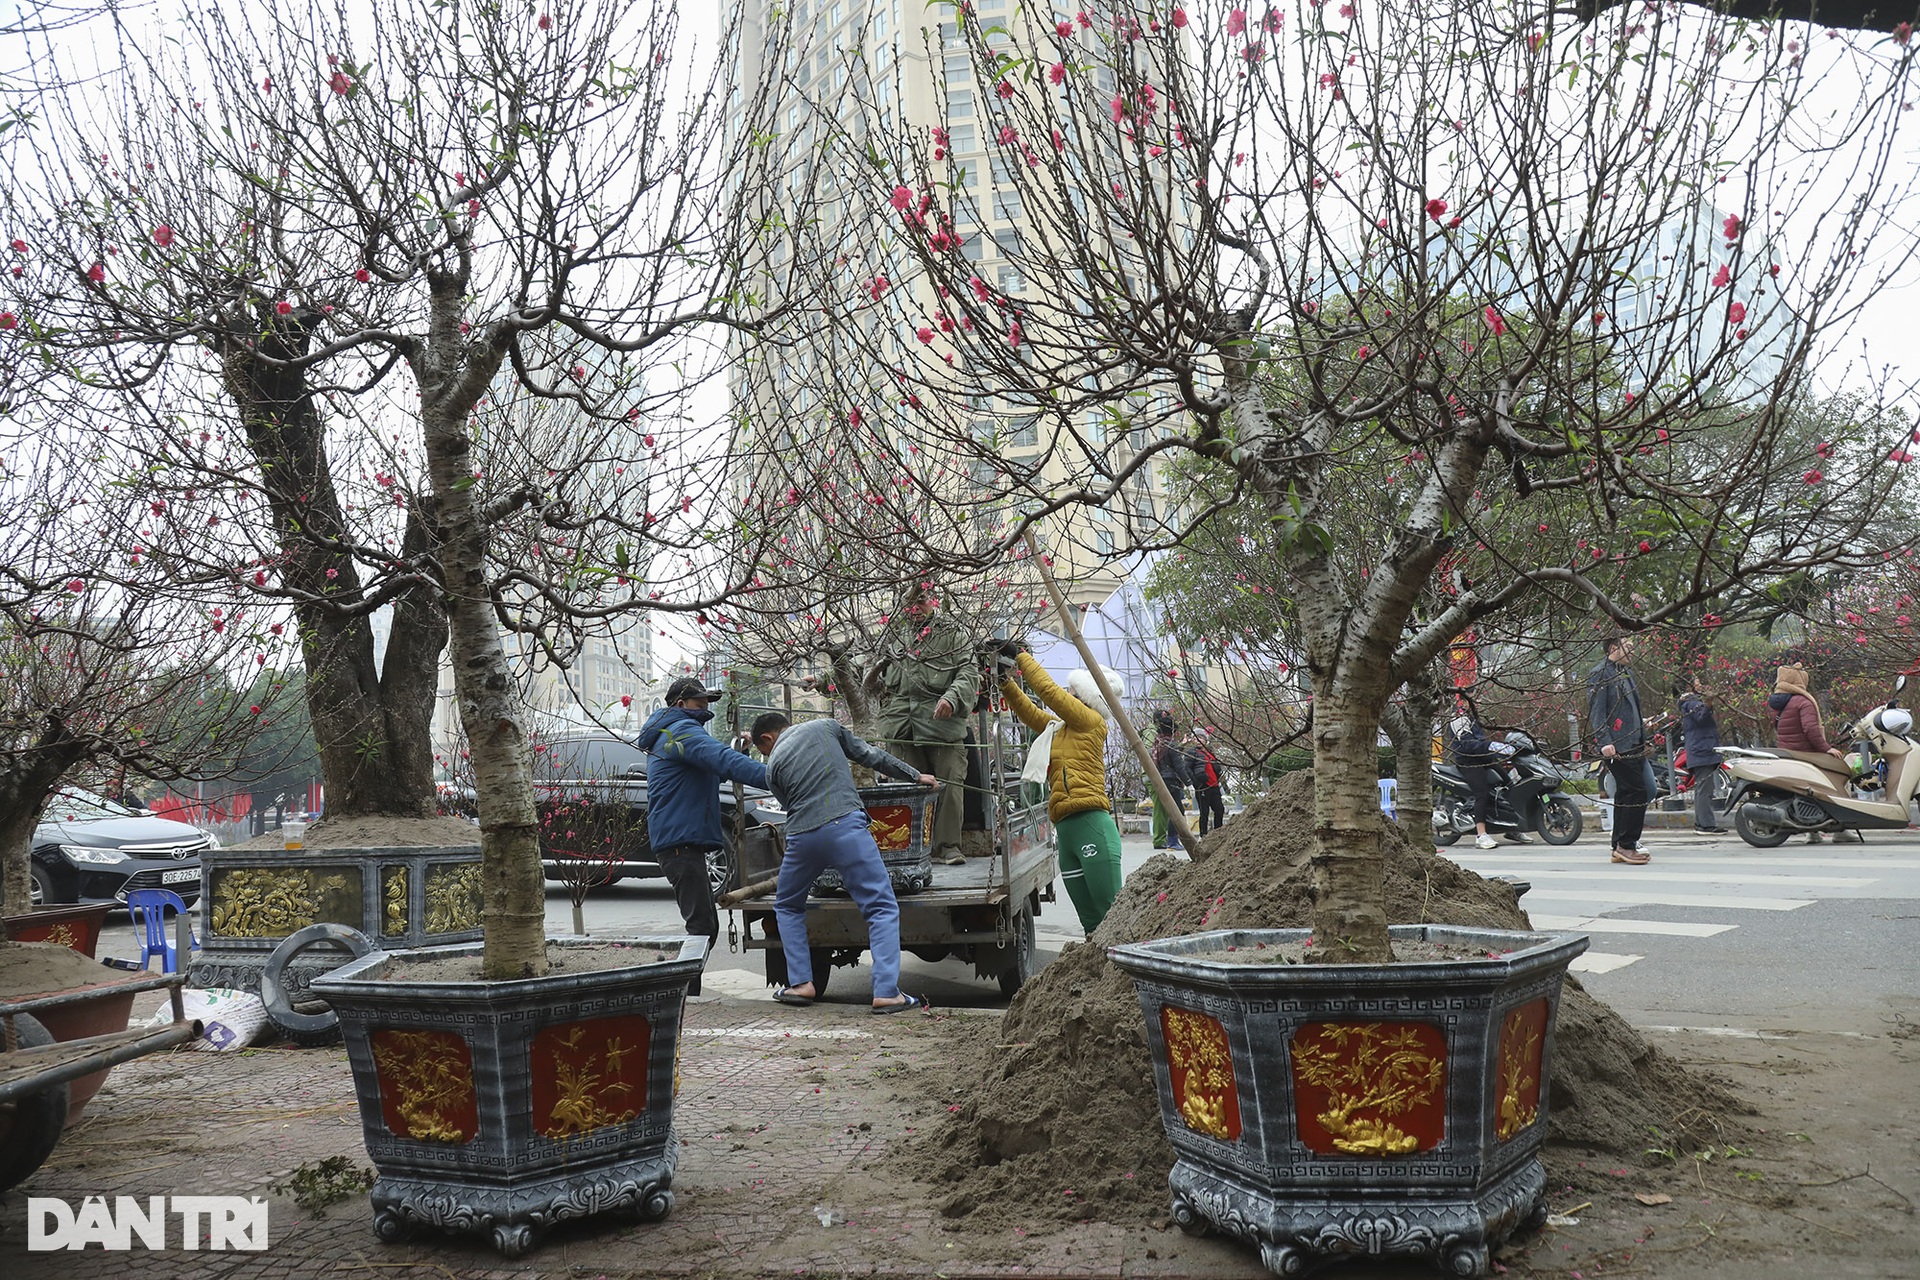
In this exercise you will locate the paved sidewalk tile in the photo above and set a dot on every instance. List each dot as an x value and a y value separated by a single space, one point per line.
780 1115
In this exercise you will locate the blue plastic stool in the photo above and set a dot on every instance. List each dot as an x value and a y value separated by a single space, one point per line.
148 907
1386 798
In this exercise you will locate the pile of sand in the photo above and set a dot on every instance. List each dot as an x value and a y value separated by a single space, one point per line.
372 832
1065 1122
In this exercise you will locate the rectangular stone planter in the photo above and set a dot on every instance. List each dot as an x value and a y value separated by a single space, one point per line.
251 899
1320 1110
76 925
502 1108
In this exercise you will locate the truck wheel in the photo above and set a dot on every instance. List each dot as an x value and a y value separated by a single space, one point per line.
1022 965
30 1126
1560 821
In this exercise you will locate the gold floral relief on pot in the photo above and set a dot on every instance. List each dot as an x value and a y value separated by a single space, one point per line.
393 898
63 935
1200 1067
587 1075
1369 1088
891 825
426 1085
453 897
1517 1071
272 902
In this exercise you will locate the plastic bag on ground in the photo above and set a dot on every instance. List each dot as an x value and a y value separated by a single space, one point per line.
229 1019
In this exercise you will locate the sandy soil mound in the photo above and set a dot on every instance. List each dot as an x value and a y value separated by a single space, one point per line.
1065 1121
377 833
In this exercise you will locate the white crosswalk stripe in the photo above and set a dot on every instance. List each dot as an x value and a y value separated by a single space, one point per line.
1577 889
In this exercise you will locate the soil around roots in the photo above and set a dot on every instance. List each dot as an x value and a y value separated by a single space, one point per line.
1064 1121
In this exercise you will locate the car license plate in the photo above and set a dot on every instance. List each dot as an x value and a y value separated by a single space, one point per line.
178 877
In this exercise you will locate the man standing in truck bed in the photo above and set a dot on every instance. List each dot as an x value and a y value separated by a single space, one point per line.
932 679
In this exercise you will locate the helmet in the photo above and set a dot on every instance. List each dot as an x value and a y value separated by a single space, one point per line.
1897 721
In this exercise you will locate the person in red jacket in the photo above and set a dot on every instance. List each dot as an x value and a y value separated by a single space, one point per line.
1796 724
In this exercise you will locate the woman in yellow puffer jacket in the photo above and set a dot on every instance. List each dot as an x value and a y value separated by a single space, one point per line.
1088 837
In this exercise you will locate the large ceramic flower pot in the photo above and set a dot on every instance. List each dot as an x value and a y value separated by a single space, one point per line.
502 1108
1320 1110
75 925
413 896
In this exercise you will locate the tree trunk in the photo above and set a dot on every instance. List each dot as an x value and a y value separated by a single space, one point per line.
17 821
1409 724
513 887
373 726
1349 925
23 798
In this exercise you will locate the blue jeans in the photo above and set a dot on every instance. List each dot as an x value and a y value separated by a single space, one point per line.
846 845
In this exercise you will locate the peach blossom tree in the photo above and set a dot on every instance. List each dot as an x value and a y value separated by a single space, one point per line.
1432 269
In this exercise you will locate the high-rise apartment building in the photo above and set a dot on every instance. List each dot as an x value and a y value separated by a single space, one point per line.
874 78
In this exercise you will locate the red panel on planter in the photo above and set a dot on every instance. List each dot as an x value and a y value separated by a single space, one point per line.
1523 1034
1202 1069
892 826
589 1074
426 1085
1370 1088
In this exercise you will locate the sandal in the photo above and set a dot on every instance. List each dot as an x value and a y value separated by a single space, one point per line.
787 995
909 1003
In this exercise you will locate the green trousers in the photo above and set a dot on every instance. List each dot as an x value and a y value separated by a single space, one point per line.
1090 864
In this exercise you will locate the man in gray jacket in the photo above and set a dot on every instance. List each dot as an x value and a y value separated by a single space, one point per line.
809 774
1619 730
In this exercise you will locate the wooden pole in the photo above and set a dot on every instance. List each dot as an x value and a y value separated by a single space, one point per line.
746 893
1176 821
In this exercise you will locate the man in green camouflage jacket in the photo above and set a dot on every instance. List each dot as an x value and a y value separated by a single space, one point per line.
931 679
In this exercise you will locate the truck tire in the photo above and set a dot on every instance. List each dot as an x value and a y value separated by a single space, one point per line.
308 1030
1023 962
30 1126
1560 820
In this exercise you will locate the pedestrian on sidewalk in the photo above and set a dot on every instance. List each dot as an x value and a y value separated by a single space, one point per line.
1203 766
685 767
1171 763
809 774
1075 766
1700 738
1620 731
1796 726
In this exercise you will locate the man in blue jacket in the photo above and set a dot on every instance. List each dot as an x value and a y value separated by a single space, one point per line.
685 767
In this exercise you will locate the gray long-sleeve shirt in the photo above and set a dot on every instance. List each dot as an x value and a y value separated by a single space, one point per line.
809 775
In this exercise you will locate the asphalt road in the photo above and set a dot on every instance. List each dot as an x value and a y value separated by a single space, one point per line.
1711 934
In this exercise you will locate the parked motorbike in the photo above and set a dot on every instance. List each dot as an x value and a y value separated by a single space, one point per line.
1782 793
1720 781
1523 799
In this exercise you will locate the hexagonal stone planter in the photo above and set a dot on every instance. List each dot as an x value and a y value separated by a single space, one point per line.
1328 1110
503 1108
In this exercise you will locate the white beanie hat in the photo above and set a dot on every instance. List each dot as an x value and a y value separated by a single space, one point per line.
1081 685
